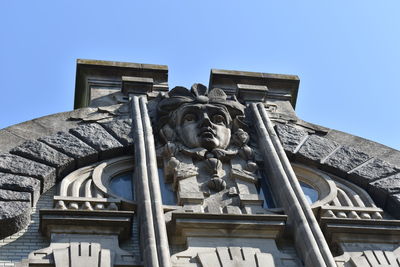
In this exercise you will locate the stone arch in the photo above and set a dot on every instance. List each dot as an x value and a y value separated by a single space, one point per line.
35 156
313 146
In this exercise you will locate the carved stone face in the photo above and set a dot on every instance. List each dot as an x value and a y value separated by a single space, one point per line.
203 125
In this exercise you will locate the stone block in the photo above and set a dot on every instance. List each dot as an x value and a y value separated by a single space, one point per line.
14 164
231 210
97 137
21 183
381 189
45 154
136 85
316 148
73 147
393 204
345 159
290 136
9 195
252 93
371 171
120 130
14 216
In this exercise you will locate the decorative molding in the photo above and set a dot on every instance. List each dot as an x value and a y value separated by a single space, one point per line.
77 250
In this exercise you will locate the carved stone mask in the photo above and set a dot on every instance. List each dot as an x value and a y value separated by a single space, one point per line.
197 118
203 125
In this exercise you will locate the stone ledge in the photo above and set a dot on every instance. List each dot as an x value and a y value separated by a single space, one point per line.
183 225
76 221
348 230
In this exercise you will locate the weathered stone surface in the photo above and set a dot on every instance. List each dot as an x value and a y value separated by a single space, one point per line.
10 163
382 188
57 122
371 171
290 136
390 184
346 158
15 135
45 154
14 216
28 130
121 130
21 183
73 147
9 195
393 205
316 148
372 148
98 138
8 140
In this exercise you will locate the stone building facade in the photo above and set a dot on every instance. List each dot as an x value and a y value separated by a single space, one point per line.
140 174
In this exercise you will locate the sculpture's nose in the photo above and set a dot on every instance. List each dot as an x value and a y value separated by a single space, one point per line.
205 120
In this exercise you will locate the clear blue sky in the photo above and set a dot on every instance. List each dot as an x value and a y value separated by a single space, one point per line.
346 53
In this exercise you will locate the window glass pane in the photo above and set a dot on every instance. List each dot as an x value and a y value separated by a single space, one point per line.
121 185
265 192
311 193
167 194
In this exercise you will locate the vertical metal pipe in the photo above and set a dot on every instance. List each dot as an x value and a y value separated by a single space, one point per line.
144 197
316 230
304 239
156 199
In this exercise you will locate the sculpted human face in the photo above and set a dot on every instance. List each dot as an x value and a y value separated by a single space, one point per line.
203 125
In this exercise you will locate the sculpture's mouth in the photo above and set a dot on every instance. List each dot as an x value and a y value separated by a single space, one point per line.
207 132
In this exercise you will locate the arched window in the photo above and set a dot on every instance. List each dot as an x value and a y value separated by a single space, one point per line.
105 185
123 186
334 196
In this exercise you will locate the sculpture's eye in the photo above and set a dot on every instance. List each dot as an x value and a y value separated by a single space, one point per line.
218 119
189 117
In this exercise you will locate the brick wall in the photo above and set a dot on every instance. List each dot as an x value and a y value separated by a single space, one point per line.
132 244
18 246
